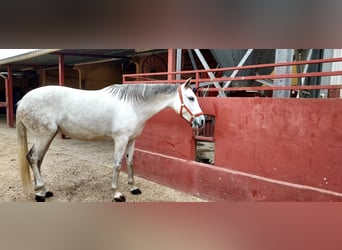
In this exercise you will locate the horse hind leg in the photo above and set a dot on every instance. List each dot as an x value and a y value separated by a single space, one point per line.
129 162
35 158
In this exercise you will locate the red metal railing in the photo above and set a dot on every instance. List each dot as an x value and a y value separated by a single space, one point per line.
8 104
201 76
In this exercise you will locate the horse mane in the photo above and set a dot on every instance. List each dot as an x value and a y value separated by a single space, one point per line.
140 92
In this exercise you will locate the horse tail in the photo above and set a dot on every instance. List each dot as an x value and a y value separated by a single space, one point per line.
22 153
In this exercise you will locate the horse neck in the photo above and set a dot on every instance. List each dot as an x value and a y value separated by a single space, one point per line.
153 107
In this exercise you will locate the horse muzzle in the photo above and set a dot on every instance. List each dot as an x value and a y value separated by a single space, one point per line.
198 121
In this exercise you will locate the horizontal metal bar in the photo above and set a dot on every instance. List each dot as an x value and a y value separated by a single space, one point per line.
307 87
198 80
153 81
329 60
3 104
265 82
244 78
294 75
204 138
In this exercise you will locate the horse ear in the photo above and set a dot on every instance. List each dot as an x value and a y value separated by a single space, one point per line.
187 83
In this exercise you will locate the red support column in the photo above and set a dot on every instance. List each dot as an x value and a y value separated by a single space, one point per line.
61 76
61 69
9 98
171 63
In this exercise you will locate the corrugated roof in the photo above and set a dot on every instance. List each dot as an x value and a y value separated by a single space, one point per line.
7 53
48 58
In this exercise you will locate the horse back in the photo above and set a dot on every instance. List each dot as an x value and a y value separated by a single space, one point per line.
81 114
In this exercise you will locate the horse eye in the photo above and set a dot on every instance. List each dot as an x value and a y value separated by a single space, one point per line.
191 98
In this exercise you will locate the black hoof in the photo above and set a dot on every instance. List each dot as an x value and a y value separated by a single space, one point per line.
40 198
120 199
136 191
48 194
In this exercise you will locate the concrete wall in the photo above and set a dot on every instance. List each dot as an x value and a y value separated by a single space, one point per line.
265 150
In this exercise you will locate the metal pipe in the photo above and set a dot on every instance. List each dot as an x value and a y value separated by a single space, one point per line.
283 55
178 63
268 65
305 70
3 77
242 62
255 77
192 59
306 67
264 88
98 61
211 74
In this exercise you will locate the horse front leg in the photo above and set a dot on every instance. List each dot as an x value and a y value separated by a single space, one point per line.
120 148
129 162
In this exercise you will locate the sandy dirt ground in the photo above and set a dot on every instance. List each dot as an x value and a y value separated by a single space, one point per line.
77 171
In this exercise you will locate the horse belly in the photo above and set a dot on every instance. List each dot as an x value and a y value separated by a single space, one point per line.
88 119
86 130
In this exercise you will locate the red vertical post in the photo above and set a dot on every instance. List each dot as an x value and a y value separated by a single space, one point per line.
197 83
61 69
61 76
9 98
171 63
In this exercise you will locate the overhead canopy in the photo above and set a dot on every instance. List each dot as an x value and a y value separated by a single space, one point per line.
48 58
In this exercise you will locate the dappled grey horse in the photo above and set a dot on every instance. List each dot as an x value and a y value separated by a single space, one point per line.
117 111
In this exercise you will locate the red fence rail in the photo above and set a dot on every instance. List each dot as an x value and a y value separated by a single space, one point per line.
201 76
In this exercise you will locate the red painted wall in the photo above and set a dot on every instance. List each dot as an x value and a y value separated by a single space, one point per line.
265 149
168 134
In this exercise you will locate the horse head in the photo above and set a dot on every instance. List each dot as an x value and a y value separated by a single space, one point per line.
190 109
